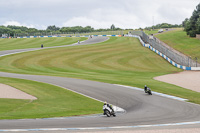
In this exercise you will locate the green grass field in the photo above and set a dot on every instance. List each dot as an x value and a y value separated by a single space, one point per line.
22 43
179 40
52 101
151 31
119 61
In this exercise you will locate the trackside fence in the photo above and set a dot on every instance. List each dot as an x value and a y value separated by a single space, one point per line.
174 55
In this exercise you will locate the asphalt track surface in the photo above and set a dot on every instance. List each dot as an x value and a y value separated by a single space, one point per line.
141 109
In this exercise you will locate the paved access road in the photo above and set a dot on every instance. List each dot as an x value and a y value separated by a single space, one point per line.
141 109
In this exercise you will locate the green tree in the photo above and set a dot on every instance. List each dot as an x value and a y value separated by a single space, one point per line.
52 28
191 25
112 27
164 25
198 26
184 22
187 27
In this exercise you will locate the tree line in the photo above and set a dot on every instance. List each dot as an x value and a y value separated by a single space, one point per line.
12 31
192 25
163 25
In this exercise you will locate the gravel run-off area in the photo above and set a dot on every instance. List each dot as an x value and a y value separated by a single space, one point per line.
186 79
7 91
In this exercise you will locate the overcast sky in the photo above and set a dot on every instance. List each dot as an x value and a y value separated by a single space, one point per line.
96 13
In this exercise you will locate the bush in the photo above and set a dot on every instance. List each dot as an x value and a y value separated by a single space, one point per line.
192 33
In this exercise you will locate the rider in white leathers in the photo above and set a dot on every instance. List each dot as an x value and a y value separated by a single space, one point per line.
106 105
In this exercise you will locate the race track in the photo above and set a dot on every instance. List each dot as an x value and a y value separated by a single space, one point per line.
141 109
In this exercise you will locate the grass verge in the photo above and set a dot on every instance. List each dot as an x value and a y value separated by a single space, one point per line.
52 101
23 43
179 40
151 31
118 61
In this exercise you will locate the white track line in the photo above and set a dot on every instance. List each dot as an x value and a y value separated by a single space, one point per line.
157 93
100 128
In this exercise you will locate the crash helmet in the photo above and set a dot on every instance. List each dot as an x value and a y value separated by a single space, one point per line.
105 103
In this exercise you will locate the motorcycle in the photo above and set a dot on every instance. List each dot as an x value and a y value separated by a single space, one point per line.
108 111
148 90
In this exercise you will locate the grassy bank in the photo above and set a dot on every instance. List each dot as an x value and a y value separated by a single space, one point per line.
23 43
118 61
52 101
179 40
151 31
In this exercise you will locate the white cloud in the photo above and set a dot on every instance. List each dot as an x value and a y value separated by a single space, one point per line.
100 18
134 14
15 23
98 14
12 23
84 21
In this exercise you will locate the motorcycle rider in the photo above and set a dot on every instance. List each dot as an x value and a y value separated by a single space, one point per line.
108 105
145 88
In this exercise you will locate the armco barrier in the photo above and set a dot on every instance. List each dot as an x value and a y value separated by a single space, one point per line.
164 56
